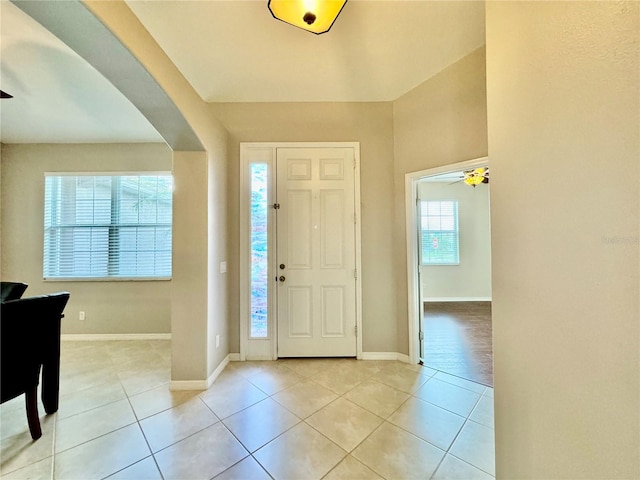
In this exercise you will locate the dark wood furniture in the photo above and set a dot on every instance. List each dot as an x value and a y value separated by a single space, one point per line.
30 342
11 290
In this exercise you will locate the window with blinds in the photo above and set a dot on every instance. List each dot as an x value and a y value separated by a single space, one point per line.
439 242
107 226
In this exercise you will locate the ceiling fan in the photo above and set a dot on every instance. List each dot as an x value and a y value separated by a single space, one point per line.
475 177
5 95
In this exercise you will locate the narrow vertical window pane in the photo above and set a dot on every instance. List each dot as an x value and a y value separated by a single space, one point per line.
259 251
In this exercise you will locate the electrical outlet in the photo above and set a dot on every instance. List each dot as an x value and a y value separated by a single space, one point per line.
81 316
217 341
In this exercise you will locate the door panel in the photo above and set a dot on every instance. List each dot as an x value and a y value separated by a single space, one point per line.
299 312
333 308
316 246
332 226
299 235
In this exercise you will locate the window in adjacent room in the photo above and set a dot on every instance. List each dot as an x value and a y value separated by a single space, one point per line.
439 244
108 226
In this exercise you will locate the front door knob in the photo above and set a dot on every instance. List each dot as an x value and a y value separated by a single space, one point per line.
282 278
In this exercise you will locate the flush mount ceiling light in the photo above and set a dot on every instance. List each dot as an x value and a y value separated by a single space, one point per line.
315 16
476 176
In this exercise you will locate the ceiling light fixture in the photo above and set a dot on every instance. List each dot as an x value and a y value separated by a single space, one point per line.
315 16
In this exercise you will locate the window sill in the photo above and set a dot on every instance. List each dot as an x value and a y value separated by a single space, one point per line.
106 279
440 264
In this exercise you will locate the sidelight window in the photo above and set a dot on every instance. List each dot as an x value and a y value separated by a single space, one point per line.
259 250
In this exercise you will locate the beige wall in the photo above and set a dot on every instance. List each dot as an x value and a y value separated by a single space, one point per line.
471 279
111 307
440 122
367 123
564 104
198 318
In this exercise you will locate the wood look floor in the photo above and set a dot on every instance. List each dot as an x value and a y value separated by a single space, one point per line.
458 341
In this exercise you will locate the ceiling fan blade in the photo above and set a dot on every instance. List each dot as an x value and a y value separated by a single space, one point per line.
5 95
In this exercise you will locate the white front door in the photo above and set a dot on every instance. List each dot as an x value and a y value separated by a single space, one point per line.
316 243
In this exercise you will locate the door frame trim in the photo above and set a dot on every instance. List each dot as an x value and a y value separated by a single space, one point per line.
244 264
414 296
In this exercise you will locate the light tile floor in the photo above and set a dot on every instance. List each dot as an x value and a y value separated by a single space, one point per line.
290 419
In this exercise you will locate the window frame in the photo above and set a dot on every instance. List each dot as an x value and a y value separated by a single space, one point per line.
455 230
111 227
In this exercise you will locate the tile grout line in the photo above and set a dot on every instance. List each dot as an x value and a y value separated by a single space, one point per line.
137 420
143 435
412 395
300 380
384 420
438 467
303 420
135 414
466 419
261 465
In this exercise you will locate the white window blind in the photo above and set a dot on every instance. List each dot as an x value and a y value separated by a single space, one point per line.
101 226
439 242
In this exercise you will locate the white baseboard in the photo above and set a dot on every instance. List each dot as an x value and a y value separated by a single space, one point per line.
200 384
188 385
92 337
235 357
456 299
400 357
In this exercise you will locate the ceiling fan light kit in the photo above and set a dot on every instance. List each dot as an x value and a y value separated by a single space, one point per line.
315 16
476 176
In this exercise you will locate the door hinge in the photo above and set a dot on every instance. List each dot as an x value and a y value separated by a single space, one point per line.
276 206
356 330
355 273
421 335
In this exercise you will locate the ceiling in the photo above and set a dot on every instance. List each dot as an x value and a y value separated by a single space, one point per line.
230 51
58 97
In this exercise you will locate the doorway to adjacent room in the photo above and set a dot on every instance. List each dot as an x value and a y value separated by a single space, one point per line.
449 270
